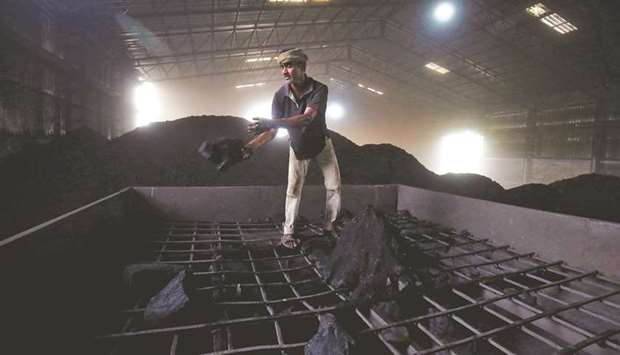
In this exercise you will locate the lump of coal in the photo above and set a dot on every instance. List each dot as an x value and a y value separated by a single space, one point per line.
179 300
223 152
318 251
168 302
148 278
331 338
364 258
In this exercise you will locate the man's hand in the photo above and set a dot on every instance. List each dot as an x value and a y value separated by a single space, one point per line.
246 153
261 125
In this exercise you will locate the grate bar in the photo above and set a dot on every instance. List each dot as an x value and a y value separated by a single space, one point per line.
492 276
259 272
563 286
503 282
364 319
492 262
214 241
252 349
283 300
519 323
469 242
471 306
562 283
263 294
587 342
569 289
291 284
475 252
188 251
266 284
212 260
185 328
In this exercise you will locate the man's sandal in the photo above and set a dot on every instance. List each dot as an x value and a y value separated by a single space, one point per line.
289 242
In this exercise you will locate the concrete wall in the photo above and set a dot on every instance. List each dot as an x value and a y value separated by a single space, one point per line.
582 242
244 202
586 243
60 275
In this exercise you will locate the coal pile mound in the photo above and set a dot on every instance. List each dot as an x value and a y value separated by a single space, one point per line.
537 196
41 181
590 195
470 185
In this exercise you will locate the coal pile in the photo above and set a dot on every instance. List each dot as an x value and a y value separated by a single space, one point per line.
41 181
590 195
471 185
537 196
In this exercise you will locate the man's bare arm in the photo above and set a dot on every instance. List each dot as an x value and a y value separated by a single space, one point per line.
263 124
261 140
298 120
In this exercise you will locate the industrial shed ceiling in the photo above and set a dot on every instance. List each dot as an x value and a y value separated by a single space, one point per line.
499 56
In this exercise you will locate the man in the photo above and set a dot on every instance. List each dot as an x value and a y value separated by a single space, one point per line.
299 106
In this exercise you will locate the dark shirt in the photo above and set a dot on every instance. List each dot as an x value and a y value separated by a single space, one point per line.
307 141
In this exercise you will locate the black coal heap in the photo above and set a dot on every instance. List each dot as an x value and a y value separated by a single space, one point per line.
41 181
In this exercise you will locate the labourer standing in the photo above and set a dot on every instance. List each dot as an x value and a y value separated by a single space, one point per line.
299 106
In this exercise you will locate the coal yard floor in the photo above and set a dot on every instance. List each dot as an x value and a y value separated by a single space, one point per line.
271 302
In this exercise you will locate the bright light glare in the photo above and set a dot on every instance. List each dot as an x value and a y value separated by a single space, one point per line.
334 111
243 86
263 110
461 153
437 68
444 12
146 101
537 10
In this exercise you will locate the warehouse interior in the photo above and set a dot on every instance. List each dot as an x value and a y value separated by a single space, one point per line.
539 81
479 149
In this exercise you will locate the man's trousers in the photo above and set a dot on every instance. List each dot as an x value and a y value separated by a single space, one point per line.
297 170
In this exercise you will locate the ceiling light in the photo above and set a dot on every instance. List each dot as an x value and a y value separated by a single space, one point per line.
444 12
298 1
437 68
537 10
243 86
260 59
378 92
553 20
375 91
558 23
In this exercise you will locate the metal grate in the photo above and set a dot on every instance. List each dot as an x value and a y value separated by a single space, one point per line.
499 302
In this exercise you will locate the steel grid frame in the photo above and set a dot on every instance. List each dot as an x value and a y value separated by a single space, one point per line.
147 8
359 31
534 44
327 21
501 301
197 32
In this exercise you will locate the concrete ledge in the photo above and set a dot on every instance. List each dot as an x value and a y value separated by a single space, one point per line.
586 243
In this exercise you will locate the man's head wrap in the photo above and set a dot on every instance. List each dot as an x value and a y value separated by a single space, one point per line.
293 55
